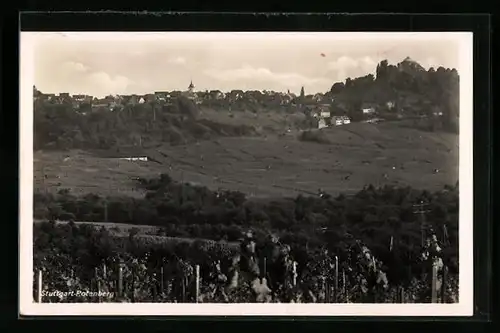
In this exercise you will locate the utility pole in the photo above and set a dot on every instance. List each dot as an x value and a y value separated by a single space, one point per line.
43 180
197 283
182 187
105 210
420 209
446 240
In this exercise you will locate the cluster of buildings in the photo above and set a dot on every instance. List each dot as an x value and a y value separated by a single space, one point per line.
209 98
326 119
323 115
77 101
318 105
113 102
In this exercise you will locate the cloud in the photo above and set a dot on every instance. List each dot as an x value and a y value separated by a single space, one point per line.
102 81
352 67
249 73
429 62
71 66
80 78
177 61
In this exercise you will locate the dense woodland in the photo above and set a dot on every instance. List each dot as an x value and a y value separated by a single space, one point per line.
413 89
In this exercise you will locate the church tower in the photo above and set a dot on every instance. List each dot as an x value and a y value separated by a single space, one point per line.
191 87
191 94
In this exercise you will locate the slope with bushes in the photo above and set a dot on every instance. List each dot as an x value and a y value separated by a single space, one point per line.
373 215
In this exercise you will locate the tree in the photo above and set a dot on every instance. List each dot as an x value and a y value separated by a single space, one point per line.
355 112
348 82
382 70
337 88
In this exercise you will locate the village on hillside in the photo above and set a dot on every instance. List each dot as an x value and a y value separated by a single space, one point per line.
318 106
390 94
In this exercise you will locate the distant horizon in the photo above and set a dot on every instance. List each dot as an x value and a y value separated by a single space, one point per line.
103 64
228 91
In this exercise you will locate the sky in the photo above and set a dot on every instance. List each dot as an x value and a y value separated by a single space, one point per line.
101 64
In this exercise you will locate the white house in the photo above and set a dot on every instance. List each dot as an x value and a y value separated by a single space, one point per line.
341 120
324 114
161 95
322 123
141 100
368 110
81 98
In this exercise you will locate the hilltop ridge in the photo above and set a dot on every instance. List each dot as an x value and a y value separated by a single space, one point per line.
401 91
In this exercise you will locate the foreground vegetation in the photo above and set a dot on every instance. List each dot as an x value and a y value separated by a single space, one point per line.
382 219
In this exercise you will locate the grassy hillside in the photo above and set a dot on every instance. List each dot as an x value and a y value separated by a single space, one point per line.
355 155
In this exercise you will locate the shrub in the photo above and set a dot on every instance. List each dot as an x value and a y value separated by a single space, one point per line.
317 136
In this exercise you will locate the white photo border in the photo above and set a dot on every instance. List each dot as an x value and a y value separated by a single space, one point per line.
27 305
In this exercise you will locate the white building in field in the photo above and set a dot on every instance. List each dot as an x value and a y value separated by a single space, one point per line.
368 108
340 120
142 159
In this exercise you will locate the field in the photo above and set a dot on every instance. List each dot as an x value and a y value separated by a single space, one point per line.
147 232
273 165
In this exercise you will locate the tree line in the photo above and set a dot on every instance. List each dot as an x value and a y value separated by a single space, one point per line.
411 89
